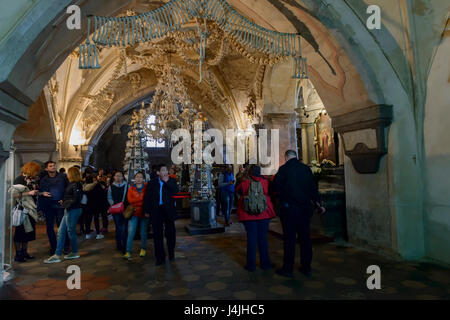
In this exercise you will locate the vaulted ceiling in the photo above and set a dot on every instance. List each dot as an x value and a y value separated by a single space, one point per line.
234 79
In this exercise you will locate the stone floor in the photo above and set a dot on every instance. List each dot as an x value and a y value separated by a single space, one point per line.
210 267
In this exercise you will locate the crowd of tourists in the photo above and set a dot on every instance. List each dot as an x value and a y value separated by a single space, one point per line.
68 199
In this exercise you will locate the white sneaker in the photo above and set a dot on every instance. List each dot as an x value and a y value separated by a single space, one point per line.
53 259
99 236
72 256
89 236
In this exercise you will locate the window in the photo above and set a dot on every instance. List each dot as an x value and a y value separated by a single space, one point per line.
153 143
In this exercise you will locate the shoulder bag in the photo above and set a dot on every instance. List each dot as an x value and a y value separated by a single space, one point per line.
119 208
19 213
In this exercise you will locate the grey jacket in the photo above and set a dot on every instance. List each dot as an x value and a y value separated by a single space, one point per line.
28 203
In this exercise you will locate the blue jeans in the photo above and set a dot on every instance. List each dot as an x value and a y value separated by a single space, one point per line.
68 226
227 204
257 237
121 231
54 214
132 226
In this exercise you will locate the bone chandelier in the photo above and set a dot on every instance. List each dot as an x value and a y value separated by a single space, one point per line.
159 23
171 106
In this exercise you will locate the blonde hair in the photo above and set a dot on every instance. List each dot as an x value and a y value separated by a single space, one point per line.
74 174
31 169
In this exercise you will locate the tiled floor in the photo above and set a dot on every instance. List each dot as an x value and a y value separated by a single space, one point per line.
210 267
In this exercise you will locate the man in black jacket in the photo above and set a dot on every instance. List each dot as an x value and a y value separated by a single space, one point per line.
160 205
298 192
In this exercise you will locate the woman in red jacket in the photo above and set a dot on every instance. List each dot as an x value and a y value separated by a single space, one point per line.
256 226
135 197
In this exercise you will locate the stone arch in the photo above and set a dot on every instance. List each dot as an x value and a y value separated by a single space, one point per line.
35 140
108 121
381 86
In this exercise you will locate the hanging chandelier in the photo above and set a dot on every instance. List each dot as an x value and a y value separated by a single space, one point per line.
171 106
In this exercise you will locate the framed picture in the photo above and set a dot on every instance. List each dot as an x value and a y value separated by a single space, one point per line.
325 146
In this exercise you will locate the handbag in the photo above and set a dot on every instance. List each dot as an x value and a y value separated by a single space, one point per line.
19 214
119 208
129 211
84 199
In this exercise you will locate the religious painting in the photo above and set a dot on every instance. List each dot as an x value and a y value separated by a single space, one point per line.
325 146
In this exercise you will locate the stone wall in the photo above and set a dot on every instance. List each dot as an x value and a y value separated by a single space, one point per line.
35 140
368 221
6 131
437 151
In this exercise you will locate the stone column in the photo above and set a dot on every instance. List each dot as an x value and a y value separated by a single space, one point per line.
368 186
286 123
3 194
305 156
8 123
312 141
86 153
307 120
341 150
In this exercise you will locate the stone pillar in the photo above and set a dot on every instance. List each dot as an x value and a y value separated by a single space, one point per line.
86 153
8 124
286 123
307 120
4 154
312 141
305 156
341 151
369 198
